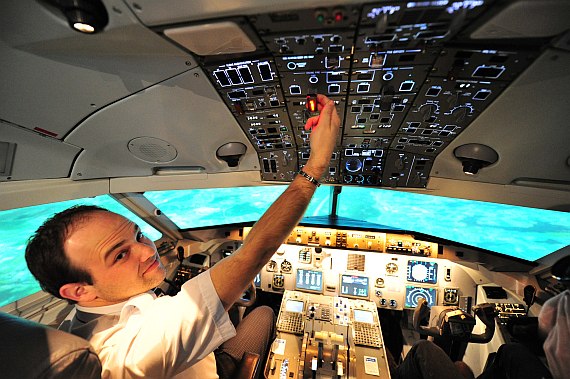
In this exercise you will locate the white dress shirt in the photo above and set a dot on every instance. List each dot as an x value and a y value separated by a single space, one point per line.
554 323
166 337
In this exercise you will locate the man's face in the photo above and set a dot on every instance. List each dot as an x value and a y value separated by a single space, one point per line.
122 261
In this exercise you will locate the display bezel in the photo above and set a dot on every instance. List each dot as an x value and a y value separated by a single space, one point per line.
354 296
413 262
356 312
408 287
294 301
306 289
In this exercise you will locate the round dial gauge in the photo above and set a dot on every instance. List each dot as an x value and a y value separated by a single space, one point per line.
271 266
450 297
286 266
391 268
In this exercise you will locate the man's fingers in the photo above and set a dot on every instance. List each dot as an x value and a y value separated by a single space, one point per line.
312 121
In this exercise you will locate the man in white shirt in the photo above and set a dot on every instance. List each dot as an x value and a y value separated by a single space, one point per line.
102 262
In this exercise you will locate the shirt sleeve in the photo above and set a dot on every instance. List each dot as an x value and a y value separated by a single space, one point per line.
162 337
554 320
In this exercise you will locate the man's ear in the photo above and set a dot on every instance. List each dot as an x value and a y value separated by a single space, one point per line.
78 292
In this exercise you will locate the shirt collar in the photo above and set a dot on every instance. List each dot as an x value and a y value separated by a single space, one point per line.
114 309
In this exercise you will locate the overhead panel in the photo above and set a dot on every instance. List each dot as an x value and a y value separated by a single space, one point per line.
403 87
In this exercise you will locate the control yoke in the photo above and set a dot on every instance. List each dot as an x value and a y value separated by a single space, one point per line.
247 299
453 323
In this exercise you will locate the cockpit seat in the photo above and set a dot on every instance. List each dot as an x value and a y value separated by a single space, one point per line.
31 350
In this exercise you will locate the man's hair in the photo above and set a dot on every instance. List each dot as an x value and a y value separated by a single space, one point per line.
45 253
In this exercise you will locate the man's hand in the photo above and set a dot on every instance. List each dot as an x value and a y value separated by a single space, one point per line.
323 137
233 274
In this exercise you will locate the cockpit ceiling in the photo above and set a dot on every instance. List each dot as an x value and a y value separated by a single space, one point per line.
412 82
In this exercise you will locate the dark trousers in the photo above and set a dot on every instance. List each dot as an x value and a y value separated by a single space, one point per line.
254 334
426 360
513 360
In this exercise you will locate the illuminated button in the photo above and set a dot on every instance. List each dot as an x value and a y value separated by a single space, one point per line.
312 102
295 90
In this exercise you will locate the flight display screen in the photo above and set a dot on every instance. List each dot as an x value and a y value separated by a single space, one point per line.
354 286
363 316
422 272
257 280
413 295
294 306
309 280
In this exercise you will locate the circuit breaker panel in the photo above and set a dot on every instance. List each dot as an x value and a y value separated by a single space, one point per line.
402 86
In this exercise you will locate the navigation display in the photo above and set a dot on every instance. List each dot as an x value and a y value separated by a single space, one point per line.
422 272
354 286
257 280
363 316
294 306
413 295
309 280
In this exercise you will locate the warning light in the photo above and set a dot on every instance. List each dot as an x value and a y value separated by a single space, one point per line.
312 102
338 14
320 15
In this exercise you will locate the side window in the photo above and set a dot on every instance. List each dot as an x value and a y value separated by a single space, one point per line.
16 227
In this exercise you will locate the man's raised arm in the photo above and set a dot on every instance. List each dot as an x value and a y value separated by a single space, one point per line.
234 273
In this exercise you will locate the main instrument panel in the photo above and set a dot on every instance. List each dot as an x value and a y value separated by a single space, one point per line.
391 270
327 337
402 87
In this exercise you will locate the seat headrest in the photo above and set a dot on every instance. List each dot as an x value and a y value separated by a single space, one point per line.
32 350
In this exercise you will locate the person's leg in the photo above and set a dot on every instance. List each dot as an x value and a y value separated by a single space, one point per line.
513 360
254 333
428 361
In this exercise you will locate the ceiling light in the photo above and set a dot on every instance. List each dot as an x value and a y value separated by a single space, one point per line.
475 156
85 16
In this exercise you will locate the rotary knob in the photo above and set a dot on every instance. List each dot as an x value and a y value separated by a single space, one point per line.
453 99
428 110
400 163
416 179
353 165
459 113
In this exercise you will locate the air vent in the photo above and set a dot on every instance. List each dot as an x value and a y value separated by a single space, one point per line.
356 262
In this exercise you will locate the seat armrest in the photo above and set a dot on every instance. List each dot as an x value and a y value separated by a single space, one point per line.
248 366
